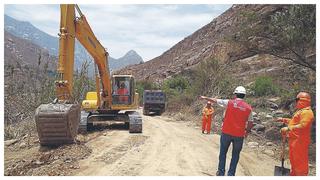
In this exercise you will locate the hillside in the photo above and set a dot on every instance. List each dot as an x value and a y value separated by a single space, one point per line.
207 42
22 54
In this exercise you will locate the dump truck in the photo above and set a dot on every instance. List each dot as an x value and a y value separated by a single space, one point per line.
154 101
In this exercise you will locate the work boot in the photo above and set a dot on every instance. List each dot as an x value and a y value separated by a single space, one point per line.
202 132
218 173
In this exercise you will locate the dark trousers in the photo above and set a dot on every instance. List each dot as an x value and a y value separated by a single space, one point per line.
225 141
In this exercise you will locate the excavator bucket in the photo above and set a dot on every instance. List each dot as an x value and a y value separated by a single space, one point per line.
57 123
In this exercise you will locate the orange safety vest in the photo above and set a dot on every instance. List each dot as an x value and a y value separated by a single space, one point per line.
123 91
236 117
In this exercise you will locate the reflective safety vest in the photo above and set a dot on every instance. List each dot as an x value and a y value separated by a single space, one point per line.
236 117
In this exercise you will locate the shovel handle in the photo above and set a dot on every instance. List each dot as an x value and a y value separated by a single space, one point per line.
283 150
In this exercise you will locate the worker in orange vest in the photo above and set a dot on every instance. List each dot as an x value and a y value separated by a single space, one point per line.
207 114
298 132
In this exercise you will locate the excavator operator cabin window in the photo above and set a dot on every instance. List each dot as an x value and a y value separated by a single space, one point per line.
121 90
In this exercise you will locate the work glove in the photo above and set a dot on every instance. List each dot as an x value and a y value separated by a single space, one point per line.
284 131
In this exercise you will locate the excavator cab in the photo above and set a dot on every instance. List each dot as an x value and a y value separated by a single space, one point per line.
122 90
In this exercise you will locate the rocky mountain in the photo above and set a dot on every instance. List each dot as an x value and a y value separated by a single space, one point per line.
207 42
27 68
26 30
131 57
23 54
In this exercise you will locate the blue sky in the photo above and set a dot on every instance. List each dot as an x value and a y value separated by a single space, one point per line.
148 29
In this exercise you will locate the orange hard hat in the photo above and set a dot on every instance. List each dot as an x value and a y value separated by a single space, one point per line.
303 96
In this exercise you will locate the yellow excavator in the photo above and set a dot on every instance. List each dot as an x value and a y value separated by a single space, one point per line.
114 99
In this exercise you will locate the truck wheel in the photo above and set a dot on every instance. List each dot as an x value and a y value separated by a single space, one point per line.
126 125
145 112
160 112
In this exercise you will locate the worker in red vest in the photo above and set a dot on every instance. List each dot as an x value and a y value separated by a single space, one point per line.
236 124
298 131
207 114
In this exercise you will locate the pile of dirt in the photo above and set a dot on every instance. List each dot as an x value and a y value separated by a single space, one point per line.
26 159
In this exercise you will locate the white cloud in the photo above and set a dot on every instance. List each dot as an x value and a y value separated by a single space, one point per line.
148 29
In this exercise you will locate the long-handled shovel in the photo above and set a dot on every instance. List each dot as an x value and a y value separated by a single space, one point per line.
282 171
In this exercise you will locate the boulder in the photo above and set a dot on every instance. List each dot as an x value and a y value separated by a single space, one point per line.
259 127
256 120
262 114
278 112
268 152
269 144
253 144
10 142
269 116
275 99
67 160
22 145
38 162
254 114
272 105
25 136
273 133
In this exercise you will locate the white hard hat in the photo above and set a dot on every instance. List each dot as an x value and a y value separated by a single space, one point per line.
240 90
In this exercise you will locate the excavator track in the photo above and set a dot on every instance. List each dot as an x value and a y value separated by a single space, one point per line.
135 122
132 119
57 123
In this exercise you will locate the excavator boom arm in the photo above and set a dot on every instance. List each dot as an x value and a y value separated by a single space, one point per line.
71 28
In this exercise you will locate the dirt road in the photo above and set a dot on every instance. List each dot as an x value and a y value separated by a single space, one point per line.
165 147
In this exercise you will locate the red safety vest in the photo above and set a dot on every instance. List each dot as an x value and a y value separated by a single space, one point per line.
236 117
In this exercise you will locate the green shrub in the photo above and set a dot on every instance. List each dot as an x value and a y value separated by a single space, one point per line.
177 92
263 86
209 78
175 86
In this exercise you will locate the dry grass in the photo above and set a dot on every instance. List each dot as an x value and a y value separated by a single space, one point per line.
20 129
